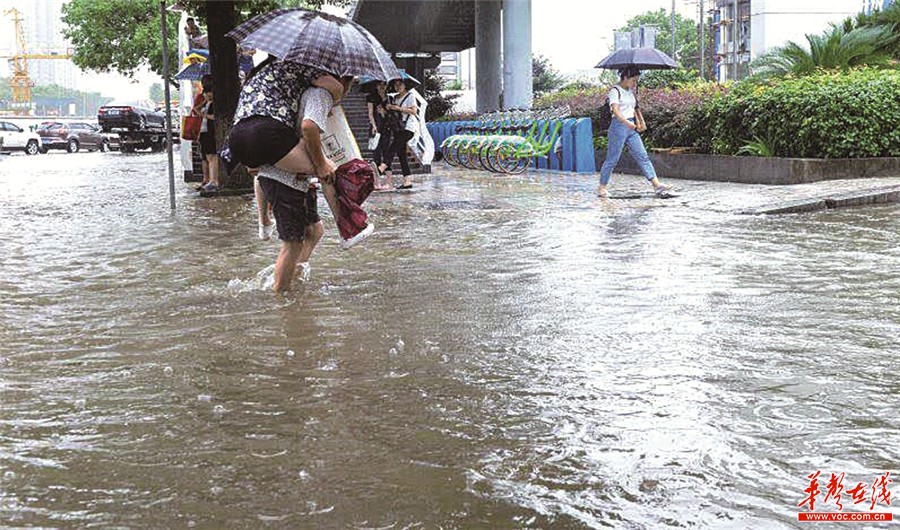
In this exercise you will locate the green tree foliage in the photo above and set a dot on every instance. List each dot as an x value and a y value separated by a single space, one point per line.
124 35
887 18
837 49
544 77
118 35
438 105
687 35
667 78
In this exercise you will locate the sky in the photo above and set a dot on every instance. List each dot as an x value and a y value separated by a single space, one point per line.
577 34
573 34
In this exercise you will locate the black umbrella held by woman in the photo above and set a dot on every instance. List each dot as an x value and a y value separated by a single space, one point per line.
640 58
627 120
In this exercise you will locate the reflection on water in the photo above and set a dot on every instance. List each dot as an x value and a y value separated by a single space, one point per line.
503 353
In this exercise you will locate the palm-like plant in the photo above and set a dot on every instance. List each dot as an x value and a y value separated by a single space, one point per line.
837 49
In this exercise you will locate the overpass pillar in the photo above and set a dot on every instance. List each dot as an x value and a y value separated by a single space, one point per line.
488 81
517 75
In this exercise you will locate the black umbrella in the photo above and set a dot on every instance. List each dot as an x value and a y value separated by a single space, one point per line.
330 43
640 58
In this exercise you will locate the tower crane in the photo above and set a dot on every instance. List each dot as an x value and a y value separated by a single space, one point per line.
20 82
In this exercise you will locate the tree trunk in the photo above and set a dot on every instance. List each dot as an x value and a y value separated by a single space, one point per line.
221 18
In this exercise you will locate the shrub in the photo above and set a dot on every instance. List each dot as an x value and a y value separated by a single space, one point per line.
438 104
458 116
584 102
675 117
826 115
668 78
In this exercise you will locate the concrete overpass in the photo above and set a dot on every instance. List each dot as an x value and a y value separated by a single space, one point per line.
416 31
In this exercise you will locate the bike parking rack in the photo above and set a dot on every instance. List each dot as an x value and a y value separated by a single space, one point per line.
514 140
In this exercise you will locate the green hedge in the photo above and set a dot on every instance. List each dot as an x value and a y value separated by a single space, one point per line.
826 115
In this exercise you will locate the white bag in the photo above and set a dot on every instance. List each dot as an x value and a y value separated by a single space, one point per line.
421 143
373 141
338 141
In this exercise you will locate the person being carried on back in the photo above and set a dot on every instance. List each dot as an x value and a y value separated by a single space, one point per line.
625 128
293 196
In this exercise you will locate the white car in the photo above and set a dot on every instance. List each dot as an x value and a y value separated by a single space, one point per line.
17 139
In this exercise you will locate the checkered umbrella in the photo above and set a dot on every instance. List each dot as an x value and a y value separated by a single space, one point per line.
193 72
365 79
320 40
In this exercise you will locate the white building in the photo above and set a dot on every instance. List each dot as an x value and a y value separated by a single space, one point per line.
42 27
871 5
745 29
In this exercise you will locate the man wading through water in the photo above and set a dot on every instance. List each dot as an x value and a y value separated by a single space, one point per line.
273 101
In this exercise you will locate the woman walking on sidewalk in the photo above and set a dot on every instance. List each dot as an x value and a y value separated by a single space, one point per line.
402 118
625 128
376 99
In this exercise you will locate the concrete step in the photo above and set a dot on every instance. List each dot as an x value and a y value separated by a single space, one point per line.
882 195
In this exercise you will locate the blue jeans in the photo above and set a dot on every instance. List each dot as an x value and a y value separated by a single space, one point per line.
619 135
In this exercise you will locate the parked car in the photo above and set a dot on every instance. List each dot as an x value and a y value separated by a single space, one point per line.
17 139
130 116
72 137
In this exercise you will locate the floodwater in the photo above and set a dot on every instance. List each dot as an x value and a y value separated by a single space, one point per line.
504 352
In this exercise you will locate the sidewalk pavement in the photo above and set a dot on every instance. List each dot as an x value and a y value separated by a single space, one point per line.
718 196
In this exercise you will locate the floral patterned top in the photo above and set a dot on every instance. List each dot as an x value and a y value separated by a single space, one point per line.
275 91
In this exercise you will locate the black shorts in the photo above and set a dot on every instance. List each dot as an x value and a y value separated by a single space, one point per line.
261 140
295 211
208 143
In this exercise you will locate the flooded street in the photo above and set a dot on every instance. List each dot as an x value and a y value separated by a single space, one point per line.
504 352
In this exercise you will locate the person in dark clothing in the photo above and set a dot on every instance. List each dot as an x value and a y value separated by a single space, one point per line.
376 100
208 141
403 108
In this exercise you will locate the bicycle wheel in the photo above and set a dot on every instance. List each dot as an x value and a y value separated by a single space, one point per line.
484 155
501 156
515 159
497 154
470 158
475 147
448 149
445 150
462 154
454 150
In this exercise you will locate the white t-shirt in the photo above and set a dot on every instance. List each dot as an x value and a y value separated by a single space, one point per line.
625 99
314 106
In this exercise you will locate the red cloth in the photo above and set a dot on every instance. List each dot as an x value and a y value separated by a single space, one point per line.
354 181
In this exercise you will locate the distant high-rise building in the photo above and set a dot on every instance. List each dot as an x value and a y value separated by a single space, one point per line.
43 27
745 29
872 5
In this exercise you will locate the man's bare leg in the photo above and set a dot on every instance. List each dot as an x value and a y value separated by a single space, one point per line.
313 236
286 264
297 161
